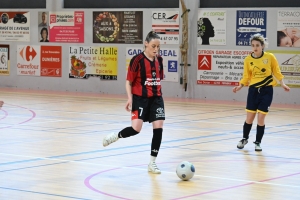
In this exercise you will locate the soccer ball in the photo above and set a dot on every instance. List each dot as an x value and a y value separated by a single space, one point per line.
185 170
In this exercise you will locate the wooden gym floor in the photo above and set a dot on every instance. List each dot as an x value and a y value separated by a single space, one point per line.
51 148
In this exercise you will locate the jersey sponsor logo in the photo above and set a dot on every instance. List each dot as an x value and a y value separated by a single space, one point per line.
150 83
265 61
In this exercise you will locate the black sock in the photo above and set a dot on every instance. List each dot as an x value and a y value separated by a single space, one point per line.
246 130
260 130
156 141
127 132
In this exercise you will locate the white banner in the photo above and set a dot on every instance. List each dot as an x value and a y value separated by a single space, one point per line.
211 27
289 62
288 28
170 61
166 24
220 67
28 60
15 26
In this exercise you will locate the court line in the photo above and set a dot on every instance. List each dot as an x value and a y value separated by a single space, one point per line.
237 186
104 150
181 121
283 185
49 194
88 185
126 147
79 160
5 114
23 122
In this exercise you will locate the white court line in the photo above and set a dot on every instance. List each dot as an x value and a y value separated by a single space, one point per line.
166 128
208 122
112 166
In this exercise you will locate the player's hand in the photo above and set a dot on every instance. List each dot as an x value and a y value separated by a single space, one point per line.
285 87
128 105
236 88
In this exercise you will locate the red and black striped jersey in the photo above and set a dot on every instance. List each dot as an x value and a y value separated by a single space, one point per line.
145 75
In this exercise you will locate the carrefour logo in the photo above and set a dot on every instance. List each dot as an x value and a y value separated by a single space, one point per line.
28 53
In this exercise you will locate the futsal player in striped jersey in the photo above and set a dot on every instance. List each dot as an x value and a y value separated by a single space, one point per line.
145 101
260 68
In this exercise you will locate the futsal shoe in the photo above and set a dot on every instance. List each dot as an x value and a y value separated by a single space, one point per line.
257 146
242 143
152 167
110 138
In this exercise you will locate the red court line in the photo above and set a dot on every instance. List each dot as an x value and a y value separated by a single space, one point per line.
87 181
32 117
236 186
5 114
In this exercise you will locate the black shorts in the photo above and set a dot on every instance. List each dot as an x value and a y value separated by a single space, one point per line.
259 99
148 109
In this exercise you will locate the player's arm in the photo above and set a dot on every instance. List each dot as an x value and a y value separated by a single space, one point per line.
245 80
129 95
277 73
131 75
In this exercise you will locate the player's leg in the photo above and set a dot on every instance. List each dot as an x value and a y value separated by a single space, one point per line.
251 112
1 104
137 118
260 130
263 109
157 117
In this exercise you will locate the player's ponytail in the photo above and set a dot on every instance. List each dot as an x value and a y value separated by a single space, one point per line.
151 35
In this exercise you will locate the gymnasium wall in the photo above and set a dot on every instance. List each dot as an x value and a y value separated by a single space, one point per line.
170 89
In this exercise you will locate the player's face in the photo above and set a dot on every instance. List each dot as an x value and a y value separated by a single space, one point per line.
152 48
257 48
286 42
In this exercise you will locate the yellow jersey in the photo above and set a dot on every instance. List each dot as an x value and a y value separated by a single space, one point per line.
259 72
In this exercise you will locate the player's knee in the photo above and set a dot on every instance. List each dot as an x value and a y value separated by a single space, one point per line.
137 129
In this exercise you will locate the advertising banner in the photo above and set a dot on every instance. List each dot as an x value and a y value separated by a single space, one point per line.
289 62
118 27
166 25
64 27
220 67
86 61
211 27
249 22
38 60
15 26
170 61
288 28
4 59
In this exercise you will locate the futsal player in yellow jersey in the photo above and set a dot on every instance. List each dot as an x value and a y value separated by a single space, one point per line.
260 68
